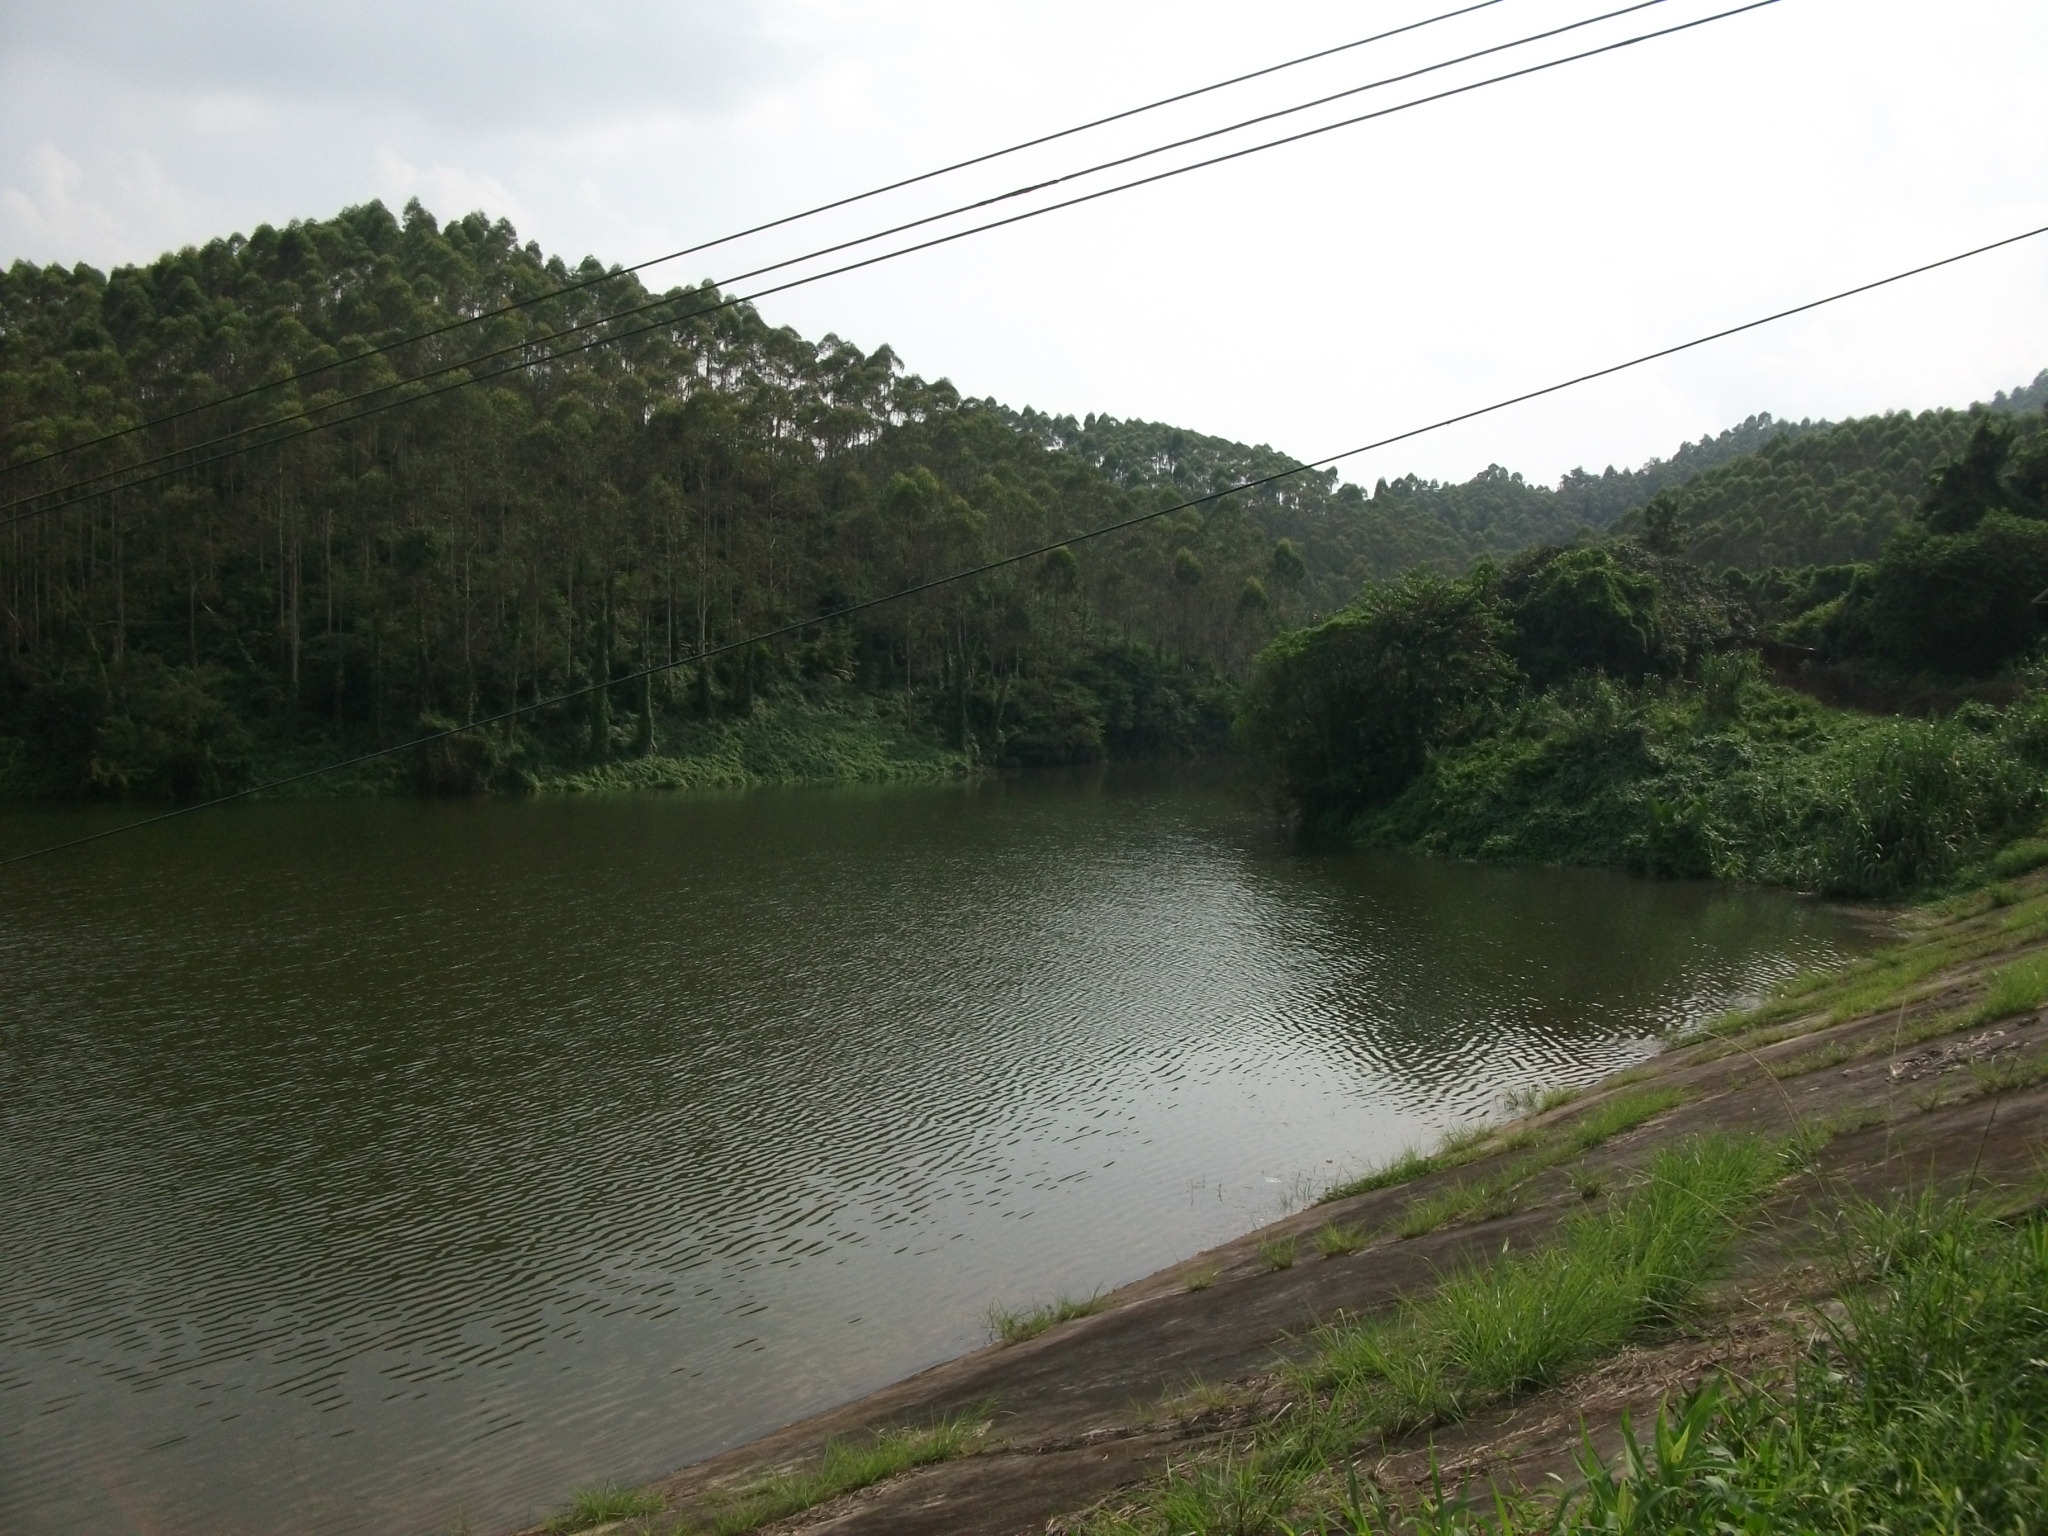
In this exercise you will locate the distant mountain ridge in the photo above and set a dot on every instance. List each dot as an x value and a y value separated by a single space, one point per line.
1776 510
2028 397
1350 536
1826 493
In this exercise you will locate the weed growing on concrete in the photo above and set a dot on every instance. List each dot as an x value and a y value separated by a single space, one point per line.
1622 1112
2020 987
1199 1398
1539 1101
1476 1200
1514 1322
1411 1164
2006 1076
1501 1193
601 1506
1833 1054
1280 1252
1015 1327
2018 858
848 1465
1610 1117
1333 1241
1457 1148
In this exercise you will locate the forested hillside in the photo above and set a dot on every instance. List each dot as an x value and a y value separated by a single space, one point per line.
555 525
703 481
1823 493
1350 538
703 477
1606 703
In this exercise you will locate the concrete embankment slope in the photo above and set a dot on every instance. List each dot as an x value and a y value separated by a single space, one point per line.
1920 1068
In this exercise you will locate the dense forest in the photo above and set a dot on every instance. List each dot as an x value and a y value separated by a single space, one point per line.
555 526
1613 703
574 514
1350 537
578 518
1821 493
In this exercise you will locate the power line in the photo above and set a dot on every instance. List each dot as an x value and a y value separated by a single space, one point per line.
757 229
650 305
848 610
311 427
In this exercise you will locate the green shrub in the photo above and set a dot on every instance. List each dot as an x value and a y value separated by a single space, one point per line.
1960 604
451 762
1581 610
1905 800
1349 711
1660 778
1050 720
1723 681
135 729
2025 730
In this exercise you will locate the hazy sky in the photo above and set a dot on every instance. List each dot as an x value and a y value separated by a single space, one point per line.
1312 297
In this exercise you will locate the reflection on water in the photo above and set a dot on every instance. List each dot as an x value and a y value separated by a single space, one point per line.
380 1167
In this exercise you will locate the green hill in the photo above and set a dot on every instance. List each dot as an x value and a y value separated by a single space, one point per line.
706 478
1350 537
1824 493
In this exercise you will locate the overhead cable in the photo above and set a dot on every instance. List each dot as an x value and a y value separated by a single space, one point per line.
615 273
300 427
583 327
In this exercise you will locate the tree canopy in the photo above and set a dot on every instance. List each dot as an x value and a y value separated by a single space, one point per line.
710 477
1823 493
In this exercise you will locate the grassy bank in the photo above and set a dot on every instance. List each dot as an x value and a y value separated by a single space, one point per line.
1490 1330
1920 1406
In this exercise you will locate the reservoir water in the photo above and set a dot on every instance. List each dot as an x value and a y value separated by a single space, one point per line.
398 1168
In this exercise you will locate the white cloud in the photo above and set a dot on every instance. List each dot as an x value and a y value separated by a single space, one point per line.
52 198
50 204
449 190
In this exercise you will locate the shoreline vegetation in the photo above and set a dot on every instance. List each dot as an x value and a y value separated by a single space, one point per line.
1784 1275
1612 704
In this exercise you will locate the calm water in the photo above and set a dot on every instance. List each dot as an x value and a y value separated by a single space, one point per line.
384 1167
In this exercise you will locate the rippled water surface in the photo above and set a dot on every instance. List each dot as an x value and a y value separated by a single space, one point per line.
386 1167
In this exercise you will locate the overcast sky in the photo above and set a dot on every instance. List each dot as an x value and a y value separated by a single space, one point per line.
1312 297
